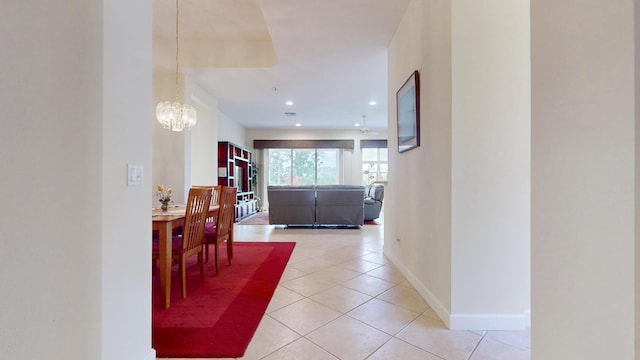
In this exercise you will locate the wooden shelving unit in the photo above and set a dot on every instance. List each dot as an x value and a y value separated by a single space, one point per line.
235 169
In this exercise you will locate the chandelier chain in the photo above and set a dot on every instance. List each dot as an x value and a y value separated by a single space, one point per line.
177 49
176 116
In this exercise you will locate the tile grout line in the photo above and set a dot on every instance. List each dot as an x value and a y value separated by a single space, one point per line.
477 345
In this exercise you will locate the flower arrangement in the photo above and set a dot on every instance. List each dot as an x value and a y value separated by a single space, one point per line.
164 196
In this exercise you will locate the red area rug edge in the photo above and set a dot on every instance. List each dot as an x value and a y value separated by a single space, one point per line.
239 317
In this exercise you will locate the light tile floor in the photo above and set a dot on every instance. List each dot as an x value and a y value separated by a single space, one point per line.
340 298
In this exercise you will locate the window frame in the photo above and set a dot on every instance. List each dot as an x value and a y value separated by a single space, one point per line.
291 177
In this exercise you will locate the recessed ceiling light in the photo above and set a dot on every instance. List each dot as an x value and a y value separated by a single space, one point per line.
289 103
372 102
356 124
298 124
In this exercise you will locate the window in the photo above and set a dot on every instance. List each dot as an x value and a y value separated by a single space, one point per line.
374 165
279 166
303 166
327 168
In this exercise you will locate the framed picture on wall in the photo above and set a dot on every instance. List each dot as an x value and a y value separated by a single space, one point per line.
408 105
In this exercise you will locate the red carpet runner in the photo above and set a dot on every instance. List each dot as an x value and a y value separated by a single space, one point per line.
218 318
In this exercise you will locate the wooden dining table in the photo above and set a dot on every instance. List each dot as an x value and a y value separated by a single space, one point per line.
164 222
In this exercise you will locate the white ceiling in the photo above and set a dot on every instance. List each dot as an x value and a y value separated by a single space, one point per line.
327 56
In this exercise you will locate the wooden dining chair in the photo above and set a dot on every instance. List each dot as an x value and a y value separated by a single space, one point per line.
221 231
215 195
192 239
215 200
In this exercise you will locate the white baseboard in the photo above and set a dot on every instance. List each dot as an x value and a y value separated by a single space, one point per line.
431 300
488 321
517 321
151 355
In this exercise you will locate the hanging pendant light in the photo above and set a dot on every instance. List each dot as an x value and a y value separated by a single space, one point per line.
176 116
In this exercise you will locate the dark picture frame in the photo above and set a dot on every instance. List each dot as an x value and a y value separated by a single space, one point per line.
408 112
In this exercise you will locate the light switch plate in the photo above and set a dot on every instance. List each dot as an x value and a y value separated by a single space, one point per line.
135 175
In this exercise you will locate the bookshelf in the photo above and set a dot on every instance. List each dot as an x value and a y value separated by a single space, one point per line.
235 167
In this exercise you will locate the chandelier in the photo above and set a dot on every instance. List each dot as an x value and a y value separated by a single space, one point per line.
176 116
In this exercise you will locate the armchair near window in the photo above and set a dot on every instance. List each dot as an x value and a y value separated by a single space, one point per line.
374 193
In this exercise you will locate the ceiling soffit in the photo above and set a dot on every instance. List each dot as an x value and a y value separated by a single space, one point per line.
212 34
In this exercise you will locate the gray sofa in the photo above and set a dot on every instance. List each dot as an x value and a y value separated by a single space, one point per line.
341 205
292 205
374 193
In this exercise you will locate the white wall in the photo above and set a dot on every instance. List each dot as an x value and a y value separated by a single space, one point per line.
75 273
230 130
169 148
183 159
464 241
490 238
126 136
583 157
418 195
637 175
202 144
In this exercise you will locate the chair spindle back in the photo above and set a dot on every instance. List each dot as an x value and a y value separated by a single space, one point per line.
196 215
